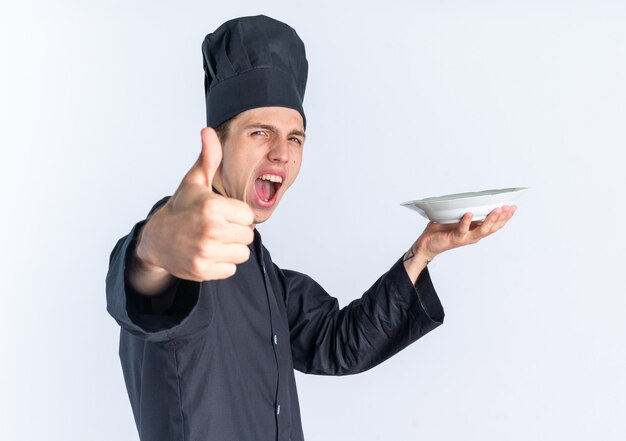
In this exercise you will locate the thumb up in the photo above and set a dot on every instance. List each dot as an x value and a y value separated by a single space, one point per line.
203 171
198 234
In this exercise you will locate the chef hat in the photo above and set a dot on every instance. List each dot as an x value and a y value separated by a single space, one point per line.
252 62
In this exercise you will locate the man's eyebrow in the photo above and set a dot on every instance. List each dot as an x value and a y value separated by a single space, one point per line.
274 129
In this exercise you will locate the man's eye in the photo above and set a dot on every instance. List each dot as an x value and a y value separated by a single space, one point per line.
259 132
296 140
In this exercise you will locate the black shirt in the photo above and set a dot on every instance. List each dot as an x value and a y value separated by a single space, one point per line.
218 364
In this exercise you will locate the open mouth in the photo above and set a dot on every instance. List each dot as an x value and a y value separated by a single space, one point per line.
266 187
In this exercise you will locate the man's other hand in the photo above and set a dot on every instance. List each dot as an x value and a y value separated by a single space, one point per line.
438 238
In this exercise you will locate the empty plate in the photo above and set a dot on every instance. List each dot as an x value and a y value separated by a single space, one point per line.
450 208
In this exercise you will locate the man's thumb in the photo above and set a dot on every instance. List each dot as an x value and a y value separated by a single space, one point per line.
211 154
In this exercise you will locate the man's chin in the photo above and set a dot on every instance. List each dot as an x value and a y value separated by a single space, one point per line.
261 216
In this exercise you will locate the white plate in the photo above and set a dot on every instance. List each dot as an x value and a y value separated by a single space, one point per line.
449 209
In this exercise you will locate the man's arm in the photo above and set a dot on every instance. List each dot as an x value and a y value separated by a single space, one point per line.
328 340
398 309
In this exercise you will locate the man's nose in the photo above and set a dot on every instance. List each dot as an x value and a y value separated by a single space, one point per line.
280 151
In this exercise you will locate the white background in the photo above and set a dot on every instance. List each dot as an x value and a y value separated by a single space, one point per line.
101 106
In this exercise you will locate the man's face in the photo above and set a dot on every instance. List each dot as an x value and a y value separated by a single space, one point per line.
262 155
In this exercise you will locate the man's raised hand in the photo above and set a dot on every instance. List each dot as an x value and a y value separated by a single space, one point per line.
198 234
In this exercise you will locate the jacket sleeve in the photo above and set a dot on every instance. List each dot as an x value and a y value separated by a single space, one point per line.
390 315
188 314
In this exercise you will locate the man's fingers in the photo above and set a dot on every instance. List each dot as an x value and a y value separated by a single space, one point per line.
495 220
237 234
464 225
232 253
221 252
219 270
489 222
504 218
238 212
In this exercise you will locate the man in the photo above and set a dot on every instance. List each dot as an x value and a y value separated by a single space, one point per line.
212 330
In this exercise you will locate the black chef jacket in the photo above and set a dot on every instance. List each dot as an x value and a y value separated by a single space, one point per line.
218 365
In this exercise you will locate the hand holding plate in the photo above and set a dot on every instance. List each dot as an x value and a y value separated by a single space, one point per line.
438 238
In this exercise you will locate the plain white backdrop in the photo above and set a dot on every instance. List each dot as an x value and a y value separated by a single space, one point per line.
101 106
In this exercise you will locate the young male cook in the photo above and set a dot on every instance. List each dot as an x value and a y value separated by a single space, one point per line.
211 329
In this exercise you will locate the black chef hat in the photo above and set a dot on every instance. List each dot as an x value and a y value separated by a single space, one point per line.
252 62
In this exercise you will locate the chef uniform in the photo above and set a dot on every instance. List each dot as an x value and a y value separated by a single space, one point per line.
218 364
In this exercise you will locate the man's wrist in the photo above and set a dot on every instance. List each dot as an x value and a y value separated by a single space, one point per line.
140 256
145 277
415 260
418 253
